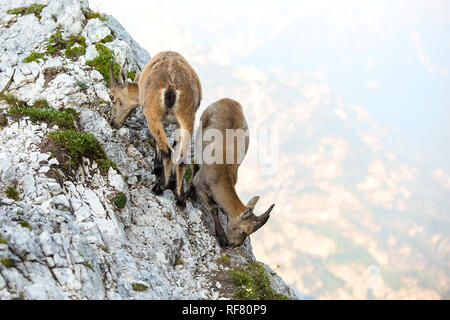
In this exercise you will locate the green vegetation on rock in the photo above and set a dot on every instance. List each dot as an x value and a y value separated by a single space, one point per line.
12 193
102 61
81 144
34 56
34 8
120 201
64 118
139 286
253 283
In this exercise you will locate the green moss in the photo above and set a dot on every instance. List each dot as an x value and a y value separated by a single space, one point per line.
253 283
102 61
64 118
179 261
75 46
120 201
34 56
19 297
224 261
12 193
54 17
81 144
7 262
35 9
108 38
25 224
139 286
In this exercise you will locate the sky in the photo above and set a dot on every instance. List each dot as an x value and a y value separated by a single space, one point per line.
354 97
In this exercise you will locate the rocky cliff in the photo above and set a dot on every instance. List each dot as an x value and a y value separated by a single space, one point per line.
75 227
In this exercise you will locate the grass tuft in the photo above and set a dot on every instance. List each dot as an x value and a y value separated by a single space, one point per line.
7 262
224 261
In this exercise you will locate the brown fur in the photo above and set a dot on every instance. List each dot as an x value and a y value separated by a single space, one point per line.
166 71
215 183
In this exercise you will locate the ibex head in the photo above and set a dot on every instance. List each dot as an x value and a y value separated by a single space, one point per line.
246 223
124 96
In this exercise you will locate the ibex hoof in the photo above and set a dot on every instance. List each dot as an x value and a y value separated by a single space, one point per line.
157 189
181 203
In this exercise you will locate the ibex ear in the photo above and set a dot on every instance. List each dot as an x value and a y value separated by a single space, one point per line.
136 77
253 201
123 76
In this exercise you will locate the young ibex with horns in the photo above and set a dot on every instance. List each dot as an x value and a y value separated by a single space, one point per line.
167 87
214 183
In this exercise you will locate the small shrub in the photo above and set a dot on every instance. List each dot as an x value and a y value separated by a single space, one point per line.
12 193
139 286
34 56
120 201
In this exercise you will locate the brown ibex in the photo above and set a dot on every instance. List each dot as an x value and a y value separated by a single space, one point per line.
168 87
214 183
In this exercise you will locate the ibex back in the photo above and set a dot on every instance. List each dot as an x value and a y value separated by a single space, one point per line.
214 183
168 87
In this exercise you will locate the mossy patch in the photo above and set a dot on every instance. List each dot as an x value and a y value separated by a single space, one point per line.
7 262
25 224
34 56
12 100
82 85
87 264
102 61
74 46
108 38
77 145
12 193
178 261
120 200
64 118
139 286
34 8
253 283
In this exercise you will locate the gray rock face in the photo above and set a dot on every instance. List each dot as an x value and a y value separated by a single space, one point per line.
67 240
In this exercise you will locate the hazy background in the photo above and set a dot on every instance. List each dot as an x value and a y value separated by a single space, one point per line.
360 93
